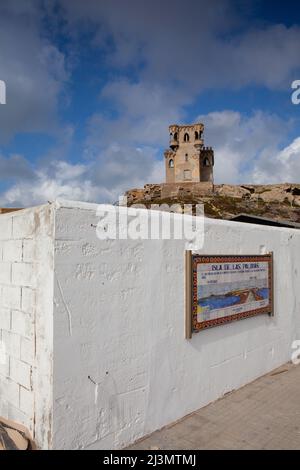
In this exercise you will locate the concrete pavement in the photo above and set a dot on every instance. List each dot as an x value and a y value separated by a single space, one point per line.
264 414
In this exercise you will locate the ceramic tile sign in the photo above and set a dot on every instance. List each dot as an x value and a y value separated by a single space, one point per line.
228 288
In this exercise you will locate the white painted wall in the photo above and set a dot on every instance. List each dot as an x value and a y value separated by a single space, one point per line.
26 323
119 319
94 330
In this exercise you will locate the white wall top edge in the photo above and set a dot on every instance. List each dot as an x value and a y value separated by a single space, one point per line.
24 210
64 203
93 206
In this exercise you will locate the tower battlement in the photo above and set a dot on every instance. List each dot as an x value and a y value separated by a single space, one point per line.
187 160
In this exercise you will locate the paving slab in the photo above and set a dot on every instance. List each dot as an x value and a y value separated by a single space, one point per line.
264 414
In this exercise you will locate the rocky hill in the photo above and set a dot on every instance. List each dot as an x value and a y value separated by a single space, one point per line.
276 201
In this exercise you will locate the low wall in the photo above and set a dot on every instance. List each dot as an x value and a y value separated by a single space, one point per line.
26 305
121 366
92 331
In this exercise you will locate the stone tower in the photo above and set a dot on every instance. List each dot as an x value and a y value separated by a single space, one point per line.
187 160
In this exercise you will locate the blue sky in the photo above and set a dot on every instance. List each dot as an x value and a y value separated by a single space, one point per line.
93 85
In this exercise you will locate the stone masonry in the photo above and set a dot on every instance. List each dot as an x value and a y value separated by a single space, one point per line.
187 160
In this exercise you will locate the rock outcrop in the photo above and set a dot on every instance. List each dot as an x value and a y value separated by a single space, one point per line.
275 201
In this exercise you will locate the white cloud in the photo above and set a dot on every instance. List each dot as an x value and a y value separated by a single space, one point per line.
252 149
143 113
14 167
65 182
284 166
103 179
197 44
33 69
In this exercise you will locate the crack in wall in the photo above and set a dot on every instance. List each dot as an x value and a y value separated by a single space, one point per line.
65 303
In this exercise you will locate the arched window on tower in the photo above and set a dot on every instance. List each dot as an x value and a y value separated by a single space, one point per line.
206 161
175 136
196 135
171 163
186 137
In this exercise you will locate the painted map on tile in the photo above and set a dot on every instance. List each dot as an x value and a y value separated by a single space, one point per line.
228 289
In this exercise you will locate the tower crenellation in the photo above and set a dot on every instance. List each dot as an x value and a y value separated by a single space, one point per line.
187 160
